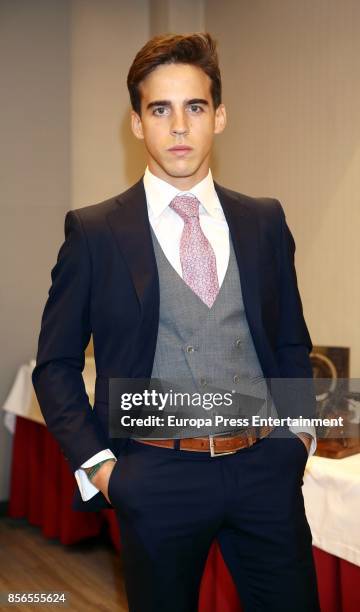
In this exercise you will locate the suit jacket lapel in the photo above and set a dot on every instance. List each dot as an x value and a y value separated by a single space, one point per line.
244 232
131 227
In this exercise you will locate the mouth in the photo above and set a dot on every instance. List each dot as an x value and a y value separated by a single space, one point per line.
180 150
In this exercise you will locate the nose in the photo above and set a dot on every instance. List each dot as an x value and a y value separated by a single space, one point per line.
179 124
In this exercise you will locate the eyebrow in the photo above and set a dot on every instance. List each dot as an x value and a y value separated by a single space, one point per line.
168 102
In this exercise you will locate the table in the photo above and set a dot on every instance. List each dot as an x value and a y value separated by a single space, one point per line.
43 491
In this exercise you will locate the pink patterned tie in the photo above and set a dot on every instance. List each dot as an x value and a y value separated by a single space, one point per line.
197 257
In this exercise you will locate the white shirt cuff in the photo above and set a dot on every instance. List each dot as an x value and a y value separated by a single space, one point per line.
310 430
86 487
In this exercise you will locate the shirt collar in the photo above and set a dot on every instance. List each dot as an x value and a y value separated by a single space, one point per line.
159 194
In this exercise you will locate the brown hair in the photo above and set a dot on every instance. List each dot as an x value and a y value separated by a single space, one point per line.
198 49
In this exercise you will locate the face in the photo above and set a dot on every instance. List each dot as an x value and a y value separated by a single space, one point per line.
177 123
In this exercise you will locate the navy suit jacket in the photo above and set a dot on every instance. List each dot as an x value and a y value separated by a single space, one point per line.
105 283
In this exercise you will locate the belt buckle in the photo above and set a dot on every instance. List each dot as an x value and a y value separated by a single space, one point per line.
213 453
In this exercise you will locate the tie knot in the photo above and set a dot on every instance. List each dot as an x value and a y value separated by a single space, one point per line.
186 206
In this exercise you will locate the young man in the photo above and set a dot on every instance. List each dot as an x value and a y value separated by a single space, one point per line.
181 277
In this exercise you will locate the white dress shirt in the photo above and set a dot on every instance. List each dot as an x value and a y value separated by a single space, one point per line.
167 226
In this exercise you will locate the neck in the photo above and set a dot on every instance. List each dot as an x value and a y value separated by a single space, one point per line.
182 183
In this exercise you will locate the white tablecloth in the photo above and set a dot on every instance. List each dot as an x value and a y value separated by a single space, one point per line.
331 486
332 502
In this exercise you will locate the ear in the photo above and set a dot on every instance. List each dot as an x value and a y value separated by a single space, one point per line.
220 119
136 125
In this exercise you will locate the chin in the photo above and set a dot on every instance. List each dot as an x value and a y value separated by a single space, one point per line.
177 172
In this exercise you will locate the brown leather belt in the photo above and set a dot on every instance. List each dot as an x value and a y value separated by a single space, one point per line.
216 445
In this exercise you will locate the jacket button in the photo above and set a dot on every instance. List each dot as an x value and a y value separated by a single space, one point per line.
236 378
190 349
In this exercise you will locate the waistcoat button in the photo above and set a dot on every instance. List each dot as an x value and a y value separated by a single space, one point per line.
238 343
190 349
236 378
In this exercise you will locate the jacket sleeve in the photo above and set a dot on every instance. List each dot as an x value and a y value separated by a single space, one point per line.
64 335
293 340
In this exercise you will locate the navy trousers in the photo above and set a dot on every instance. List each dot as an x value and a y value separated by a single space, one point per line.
172 504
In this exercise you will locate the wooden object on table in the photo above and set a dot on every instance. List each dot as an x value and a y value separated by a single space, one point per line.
335 449
345 441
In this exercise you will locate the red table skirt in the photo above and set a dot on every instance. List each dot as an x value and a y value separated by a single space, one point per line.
42 487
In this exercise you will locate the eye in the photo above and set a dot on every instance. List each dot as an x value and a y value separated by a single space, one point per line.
160 111
195 108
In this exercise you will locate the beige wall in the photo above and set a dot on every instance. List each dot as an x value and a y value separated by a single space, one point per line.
291 84
175 16
34 177
106 159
